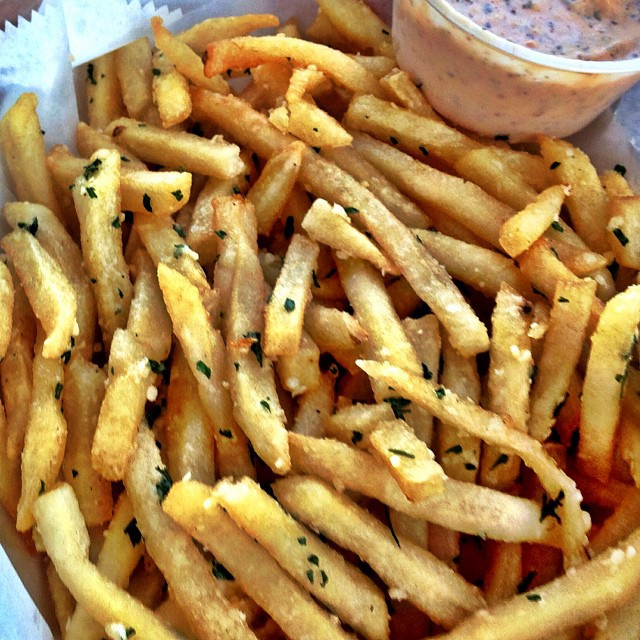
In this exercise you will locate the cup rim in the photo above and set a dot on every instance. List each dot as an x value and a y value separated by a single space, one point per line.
447 10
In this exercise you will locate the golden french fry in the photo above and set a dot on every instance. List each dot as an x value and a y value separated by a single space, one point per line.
612 347
401 89
97 198
104 95
247 52
84 391
253 568
45 436
50 293
89 140
133 67
355 423
120 553
178 149
7 294
340 586
22 143
315 407
334 515
65 538
55 240
201 34
519 232
186 61
623 226
160 192
188 573
284 314
170 92
493 429
300 372
9 470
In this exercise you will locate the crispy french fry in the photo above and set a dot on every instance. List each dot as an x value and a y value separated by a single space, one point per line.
408 459
339 585
300 372
190 443
401 89
611 349
130 377
315 407
469 417
284 314
271 191
104 95
331 225
84 391
519 232
186 61
120 553
587 200
65 538
55 240
186 570
355 423
170 91
178 149
22 143
623 226
357 22
201 34
561 350
97 198
333 514
50 293
9 471
252 567
45 436
205 353
462 506
133 67
89 140
247 52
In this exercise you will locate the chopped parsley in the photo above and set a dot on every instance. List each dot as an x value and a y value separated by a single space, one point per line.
146 203
31 227
457 448
469 466
554 165
177 194
316 284
42 488
534 597
74 473
129 632
440 393
503 458
221 234
178 250
560 405
180 231
91 192
525 583
426 373
226 433
156 71
398 405
351 210
91 169
390 524
313 559
310 575
156 367
221 572
58 391
324 578
550 506
289 305
203 368
133 532
265 405
256 346
423 150
90 76
356 436
557 226
620 236
164 484
316 149
115 223
563 299
401 452
393 140
302 541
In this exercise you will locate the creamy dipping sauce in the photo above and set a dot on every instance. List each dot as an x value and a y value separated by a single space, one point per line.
582 29
497 86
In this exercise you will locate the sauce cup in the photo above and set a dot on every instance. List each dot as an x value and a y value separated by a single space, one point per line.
490 85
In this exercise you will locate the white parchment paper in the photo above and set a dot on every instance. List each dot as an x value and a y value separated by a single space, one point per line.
39 55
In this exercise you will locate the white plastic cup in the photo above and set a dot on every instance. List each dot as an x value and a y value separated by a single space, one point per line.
492 86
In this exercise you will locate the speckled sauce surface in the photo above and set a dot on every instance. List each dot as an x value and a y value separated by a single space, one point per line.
582 29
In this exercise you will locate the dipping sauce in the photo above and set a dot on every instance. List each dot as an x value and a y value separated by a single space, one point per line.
581 29
489 84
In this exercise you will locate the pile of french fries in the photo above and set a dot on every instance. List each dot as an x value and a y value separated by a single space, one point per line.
285 354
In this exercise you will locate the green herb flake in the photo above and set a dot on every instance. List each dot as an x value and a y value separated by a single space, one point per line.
534 597
74 473
42 488
316 149
563 299
393 140
226 433
440 393
133 532
302 541
556 226
177 194
351 210
221 572
124 159
91 169
203 368
178 250
146 203
156 367
129 632
164 484
525 583
289 305
115 223
156 71
31 227
313 559
256 346
179 230
457 448
554 165
90 76
503 458
221 234
550 506
620 236
423 150
356 436
309 573
426 372
560 405
469 466
314 277
390 525
91 192
324 578
265 405
58 391
402 453
398 405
